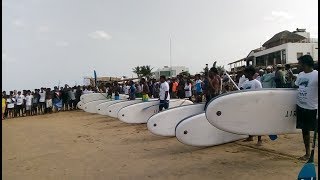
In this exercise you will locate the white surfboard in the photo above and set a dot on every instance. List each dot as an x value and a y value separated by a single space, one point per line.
141 112
85 98
80 105
197 131
102 108
113 109
90 107
255 112
164 123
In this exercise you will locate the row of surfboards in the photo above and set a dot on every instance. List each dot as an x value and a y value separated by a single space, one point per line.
228 117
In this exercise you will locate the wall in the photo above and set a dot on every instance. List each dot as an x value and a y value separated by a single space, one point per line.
294 48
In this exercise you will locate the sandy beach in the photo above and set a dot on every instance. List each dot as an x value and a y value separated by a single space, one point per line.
78 145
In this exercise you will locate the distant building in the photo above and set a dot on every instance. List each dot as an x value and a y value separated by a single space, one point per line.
169 72
100 80
283 48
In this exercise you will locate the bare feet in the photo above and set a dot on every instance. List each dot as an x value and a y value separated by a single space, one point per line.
259 143
305 157
250 138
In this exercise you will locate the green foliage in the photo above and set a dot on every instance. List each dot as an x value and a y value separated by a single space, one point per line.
143 71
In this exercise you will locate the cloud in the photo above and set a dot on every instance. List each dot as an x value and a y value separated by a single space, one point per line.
100 35
62 43
278 16
18 23
43 29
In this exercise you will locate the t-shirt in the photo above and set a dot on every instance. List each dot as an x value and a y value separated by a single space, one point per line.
4 103
174 86
187 88
72 94
253 84
267 80
163 88
42 96
126 89
308 90
20 99
10 102
242 80
198 86
29 100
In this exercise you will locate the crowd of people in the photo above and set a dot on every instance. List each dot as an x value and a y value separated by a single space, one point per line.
197 88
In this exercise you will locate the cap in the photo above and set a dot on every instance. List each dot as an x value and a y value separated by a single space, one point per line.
279 65
269 67
261 70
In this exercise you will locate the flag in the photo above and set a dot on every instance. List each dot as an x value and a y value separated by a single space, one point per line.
95 78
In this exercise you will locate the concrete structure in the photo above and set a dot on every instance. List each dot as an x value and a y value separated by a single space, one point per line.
283 48
169 71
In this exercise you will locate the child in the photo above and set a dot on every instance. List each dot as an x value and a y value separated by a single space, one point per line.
251 83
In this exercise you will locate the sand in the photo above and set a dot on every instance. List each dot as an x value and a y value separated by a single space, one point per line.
78 145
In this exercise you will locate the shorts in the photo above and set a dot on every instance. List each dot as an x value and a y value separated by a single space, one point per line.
28 107
163 104
49 103
306 119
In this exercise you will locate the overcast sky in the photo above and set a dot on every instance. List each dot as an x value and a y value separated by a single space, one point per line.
47 41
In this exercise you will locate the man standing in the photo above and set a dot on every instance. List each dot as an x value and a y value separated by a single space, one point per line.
251 83
164 94
307 100
214 84
198 87
267 80
279 77
20 102
289 76
145 90
42 100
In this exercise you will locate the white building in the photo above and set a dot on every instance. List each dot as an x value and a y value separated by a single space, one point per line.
169 71
284 48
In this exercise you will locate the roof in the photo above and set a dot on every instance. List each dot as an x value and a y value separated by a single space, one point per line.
106 79
284 35
243 59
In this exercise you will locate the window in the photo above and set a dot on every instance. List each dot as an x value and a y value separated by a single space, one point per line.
299 54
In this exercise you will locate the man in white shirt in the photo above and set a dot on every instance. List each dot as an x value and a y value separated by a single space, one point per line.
164 94
307 100
251 83
28 103
20 100
42 100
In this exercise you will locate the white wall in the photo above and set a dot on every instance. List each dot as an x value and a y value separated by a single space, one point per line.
294 48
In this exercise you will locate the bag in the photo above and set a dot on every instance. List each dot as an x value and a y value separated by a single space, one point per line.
145 97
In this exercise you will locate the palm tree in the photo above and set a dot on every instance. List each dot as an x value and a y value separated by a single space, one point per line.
143 71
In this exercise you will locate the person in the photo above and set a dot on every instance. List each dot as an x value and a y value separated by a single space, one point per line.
307 100
72 96
164 95
174 88
48 101
156 89
42 101
64 97
116 90
109 94
28 103
214 84
4 104
289 76
57 102
78 95
188 89
267 80
10 105
259 74
145 90
251 83
198 88
132 91
181 85
20 102
242 77
35 101
279 78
